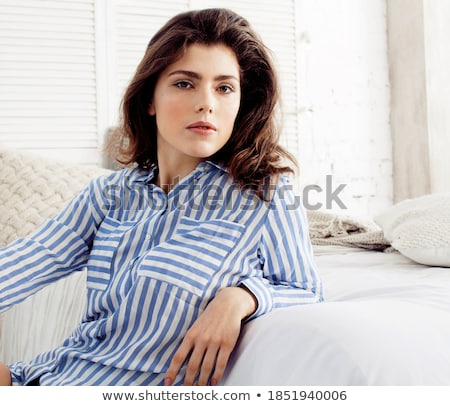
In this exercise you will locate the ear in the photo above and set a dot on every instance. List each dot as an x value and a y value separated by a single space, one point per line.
151 109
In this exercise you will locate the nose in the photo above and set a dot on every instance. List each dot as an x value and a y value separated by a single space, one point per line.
204 102
205 108
202 108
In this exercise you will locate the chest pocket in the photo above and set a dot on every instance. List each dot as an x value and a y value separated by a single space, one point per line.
108 237
193 255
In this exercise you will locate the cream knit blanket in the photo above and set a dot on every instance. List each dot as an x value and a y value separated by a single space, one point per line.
342 230
33 189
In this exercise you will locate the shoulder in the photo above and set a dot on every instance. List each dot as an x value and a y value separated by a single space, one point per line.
282 193
124 177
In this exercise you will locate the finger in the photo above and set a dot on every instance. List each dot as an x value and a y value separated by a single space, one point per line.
208 365
177 361
193 365
221 363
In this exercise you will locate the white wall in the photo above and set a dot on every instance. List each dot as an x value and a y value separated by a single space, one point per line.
344 102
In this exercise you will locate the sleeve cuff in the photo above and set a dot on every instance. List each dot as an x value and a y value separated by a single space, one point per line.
257 287
16 370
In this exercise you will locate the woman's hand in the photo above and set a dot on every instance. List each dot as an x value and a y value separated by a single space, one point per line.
211 339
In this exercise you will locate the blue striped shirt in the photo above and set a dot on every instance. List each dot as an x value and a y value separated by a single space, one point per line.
153 262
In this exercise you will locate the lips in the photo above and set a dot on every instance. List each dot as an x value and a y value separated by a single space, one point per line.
202 127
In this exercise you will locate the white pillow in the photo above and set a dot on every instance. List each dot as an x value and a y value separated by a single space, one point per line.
419 228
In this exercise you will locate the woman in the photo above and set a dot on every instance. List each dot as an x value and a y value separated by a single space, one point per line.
201 233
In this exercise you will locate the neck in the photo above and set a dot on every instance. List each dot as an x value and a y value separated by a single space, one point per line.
170 175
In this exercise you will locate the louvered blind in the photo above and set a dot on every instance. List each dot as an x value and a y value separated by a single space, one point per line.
48 78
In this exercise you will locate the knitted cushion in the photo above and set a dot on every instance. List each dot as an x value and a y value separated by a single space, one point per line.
420 228
33 189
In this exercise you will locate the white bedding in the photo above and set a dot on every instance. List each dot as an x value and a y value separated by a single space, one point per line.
385 321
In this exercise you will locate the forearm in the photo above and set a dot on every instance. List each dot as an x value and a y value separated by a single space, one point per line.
239 299
287 275
5 375
31 263
269 296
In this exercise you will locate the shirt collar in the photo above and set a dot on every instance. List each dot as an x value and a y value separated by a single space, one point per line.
205 165
147 175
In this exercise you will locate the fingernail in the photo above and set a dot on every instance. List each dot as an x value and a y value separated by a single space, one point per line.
213 382
167 382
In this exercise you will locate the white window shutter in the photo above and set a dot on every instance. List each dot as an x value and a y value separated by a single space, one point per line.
48 78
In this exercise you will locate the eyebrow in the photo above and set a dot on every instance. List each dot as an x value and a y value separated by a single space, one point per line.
195 75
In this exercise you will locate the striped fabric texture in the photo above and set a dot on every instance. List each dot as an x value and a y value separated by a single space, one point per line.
153 262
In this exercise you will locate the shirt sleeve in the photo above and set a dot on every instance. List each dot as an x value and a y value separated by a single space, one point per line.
57 248
289 275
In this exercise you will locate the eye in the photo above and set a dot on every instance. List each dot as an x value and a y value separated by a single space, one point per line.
225 89
183 84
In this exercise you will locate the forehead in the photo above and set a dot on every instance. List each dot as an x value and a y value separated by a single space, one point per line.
217 58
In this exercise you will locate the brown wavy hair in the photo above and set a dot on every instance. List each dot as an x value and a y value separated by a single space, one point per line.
252 155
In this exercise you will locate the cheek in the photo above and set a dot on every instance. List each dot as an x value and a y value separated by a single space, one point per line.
232 114
168 113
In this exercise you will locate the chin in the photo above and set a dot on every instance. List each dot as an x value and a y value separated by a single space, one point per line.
203 155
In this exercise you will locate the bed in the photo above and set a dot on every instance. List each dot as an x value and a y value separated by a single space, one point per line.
385 319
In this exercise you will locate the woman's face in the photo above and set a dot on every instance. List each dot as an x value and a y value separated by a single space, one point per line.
196 101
